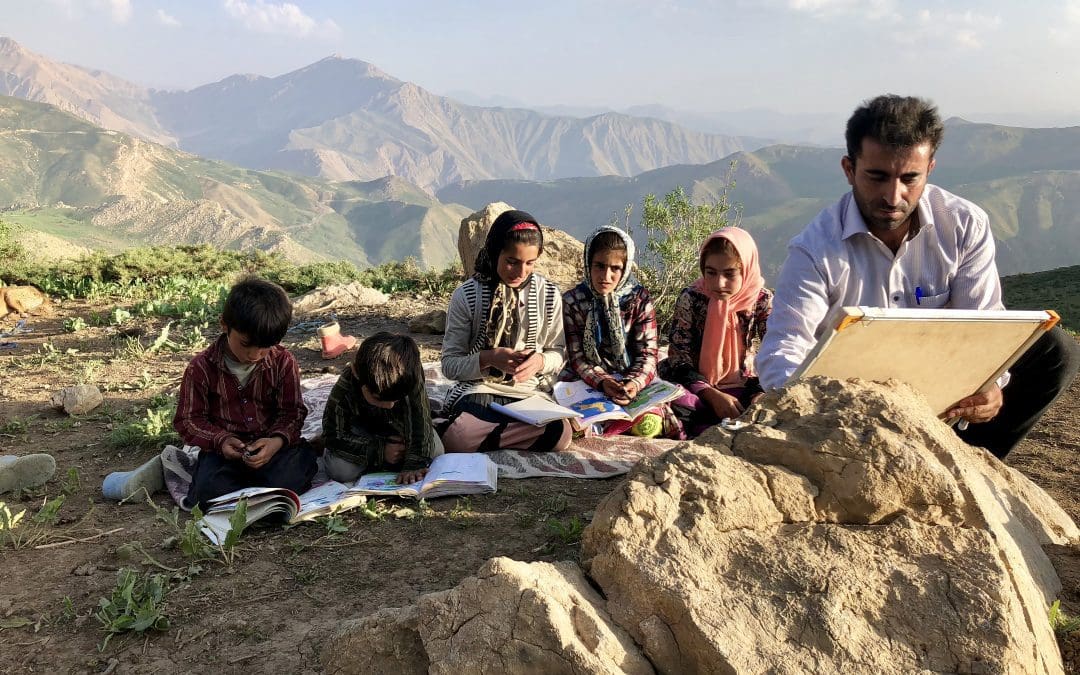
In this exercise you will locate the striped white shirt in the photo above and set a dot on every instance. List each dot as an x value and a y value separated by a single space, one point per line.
836 262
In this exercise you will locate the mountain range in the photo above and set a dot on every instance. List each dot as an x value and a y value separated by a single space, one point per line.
1028 180
344 119
98 188
108 163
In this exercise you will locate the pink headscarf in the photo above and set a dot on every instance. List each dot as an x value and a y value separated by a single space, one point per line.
720 360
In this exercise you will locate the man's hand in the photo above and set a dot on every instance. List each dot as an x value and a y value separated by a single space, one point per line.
410 477
232 448
262 451
724 405
394 450
529 363
981 407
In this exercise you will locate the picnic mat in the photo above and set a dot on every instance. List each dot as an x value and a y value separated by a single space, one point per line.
593 457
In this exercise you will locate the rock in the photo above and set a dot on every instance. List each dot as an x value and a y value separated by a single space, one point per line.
78 400
560 263
513 617
858 534
338 297
429 323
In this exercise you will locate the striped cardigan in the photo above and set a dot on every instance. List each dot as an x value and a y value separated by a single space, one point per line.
463 341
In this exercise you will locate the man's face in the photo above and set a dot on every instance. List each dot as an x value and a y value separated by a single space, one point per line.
887 183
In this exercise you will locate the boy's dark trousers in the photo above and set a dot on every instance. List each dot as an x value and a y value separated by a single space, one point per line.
1044 372
214 475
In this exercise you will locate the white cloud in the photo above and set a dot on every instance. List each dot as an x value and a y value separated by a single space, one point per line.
870 9
279 17
1068 29
119 10
166 19
965 30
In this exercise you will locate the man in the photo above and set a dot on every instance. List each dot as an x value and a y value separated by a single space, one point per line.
897 241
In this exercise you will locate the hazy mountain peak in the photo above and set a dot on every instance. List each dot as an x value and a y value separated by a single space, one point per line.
10 47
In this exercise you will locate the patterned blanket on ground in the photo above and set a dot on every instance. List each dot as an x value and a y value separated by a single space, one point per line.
586 458
594 457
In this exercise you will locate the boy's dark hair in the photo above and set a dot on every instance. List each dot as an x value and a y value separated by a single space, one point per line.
894 121
718 245
259 309
606 241
388 365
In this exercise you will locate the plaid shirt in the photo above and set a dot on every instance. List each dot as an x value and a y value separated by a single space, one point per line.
639 319
688 325
357 431
212 406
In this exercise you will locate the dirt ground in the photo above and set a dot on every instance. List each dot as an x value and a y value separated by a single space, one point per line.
275 606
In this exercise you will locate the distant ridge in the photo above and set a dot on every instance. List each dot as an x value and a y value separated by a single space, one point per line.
66 178
346 119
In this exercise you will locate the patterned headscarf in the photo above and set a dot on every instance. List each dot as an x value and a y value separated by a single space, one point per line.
501 328
604 318
721 344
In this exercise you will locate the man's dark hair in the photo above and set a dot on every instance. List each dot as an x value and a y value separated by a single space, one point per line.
388 365
259 309
896 122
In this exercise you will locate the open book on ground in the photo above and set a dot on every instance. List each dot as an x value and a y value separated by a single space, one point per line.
455 473
449 474
536 410
593 406
263 502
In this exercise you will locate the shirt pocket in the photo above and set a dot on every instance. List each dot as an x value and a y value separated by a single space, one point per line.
934 301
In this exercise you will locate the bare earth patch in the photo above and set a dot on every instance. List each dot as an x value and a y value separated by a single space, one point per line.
273 609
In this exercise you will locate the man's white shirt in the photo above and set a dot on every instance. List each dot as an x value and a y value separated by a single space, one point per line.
836 262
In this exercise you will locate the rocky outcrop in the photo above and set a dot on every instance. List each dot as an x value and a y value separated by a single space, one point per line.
851 532
512 617
845 530
561 261
338 297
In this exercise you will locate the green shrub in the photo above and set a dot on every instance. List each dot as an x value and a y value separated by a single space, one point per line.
674 230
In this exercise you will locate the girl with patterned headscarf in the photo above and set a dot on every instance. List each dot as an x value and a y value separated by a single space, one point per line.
716 326
611 336
503 341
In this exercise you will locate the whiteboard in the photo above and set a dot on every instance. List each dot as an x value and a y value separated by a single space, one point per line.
947 354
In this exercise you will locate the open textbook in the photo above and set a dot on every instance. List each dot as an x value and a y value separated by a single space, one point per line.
449 474
593 406
536 410
455 473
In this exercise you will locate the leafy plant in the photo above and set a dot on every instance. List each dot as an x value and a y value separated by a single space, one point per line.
9 521
72 482
568 532
372 510
153 430
237 525
136 604
674 230
1062 623
335 524
50 511
74 324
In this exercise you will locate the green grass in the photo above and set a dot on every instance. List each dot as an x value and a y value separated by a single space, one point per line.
1058 290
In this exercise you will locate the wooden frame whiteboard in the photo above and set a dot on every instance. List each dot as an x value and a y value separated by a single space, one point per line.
947 354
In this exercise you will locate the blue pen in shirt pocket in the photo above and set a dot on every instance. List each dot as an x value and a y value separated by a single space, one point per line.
918 295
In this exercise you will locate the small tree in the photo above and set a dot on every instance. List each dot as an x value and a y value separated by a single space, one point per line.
674 231
13 255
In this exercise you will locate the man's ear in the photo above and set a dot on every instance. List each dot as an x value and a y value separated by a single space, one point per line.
933 163
848 165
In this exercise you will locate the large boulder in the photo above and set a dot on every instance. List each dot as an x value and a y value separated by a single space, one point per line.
512 617
338 297
560 263
850 531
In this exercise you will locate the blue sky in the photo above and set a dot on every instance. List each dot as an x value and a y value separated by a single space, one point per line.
797 56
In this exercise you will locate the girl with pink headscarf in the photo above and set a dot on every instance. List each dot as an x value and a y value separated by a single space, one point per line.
716 323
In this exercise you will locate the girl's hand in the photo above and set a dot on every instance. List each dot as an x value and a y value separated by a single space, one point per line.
409 477
503 358
724 405
614 390
529 364
632 390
